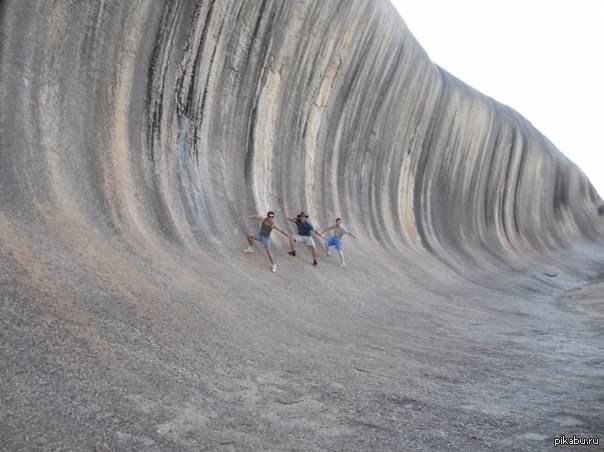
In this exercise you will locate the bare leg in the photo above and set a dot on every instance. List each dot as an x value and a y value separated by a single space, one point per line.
341 253
292 246
313 251
250 238
270 256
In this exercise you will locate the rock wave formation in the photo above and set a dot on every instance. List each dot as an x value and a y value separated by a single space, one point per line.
135 139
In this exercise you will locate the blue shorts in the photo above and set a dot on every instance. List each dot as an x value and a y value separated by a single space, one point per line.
266 241
335 242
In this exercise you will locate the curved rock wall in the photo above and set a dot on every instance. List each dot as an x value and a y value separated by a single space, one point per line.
176 119
135 136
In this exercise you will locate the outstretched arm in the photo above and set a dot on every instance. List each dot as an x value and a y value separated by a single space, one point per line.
351 235
328 229
255 216
278 229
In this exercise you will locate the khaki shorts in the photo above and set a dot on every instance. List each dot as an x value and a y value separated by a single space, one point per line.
307 239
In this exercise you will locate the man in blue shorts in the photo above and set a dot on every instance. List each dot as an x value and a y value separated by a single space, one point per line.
264 236
305 231
335 239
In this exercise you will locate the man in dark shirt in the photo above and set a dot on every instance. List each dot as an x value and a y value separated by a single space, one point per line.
305 231
264 236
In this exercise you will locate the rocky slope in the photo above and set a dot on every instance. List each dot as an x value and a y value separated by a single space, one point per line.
135 138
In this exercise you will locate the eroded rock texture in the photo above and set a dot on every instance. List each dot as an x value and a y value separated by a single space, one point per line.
135 136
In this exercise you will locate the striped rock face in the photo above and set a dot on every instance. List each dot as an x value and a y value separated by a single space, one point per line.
137 136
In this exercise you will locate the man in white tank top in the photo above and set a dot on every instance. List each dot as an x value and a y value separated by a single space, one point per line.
335 239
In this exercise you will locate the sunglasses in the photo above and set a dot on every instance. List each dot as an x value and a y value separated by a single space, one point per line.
271 216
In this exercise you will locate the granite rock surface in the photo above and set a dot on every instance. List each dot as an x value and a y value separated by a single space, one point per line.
136 137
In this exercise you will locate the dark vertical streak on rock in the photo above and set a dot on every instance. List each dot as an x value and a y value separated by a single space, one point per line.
207 84
251 125
420 192
506 188
157 69
490 190
517 189
560 192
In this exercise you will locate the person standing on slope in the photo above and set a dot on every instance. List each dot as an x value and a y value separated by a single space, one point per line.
305 230
335 239
264 236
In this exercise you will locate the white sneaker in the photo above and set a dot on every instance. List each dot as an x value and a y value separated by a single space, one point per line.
328 253
249 249
274 268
